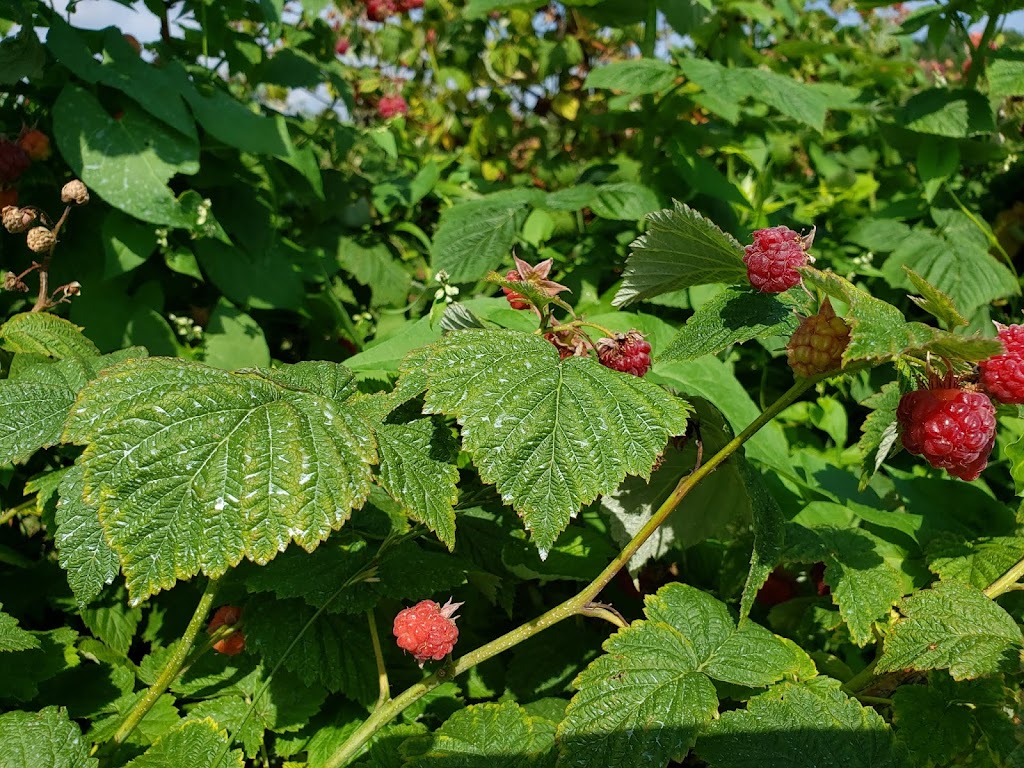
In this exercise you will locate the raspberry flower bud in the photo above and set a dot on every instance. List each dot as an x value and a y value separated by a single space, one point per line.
818 343
74 192
773 258
40 239
1002 376
427 630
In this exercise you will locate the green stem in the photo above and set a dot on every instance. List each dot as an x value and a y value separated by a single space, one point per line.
979 54
378 655
582 603
173 666
26 507
647 50
861 679
1007 582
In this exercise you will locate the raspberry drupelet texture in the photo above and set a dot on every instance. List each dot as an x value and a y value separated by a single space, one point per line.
773 258
953 429
627 352
1002 376
427 630
818 343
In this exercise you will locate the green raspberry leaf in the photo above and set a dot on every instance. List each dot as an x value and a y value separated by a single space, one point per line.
195 742
551 435
880 331
801 725
732 317
193 468
417 468
978 563
13 637
680 248
42 333
952 626
879 430
81 545
482 734
44 739
22 671
651 693
933 301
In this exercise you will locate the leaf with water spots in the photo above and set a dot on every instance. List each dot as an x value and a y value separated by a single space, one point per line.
192 468
551 435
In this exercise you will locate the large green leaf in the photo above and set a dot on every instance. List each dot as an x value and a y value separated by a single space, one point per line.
636 76
946 112
680 248
800 726
952 626
13 637
41 333
978 563
195 743
651 693
81 545
127 162
44 739
193 468
32 415
551 435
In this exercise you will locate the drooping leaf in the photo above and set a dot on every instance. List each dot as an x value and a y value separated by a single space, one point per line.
13 637
800 726
193 468
417 468
551 435
934 302
879 430
31 416
956 113
680 248
880 332
42 333
769 537
43 739
952 626
112 620
196 743
734 316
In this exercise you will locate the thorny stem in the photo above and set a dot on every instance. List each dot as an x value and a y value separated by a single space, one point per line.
173 666
43 299
378 655
581 603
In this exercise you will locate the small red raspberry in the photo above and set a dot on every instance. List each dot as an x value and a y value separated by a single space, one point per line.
953 429
35 143
407 5
516 300
427 630
341 46
1002 376
778 588
228 615
380 10
389 106
818 343
14 161
773 258
629 353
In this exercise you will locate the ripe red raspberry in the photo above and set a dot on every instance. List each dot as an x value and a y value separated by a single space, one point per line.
35 143
778 588
14 161
380 10
228 615
341 46
952 428
427 630
773 258
407 5
1002 376
818 343
389 106
516 300
629 353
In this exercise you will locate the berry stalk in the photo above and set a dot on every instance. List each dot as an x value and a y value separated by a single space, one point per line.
581 603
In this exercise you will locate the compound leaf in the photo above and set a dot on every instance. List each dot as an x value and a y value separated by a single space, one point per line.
551 435
193 468
800 725
680 248
952 626
44 739
83 550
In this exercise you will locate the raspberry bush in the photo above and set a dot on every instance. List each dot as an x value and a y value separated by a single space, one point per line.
675 346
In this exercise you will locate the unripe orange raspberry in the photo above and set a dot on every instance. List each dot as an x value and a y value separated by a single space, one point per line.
35 143
818 343
40 239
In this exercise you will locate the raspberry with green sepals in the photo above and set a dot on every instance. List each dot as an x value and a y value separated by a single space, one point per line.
516 300
953 429
818 343
627 352
1002 375
773 258
427 630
